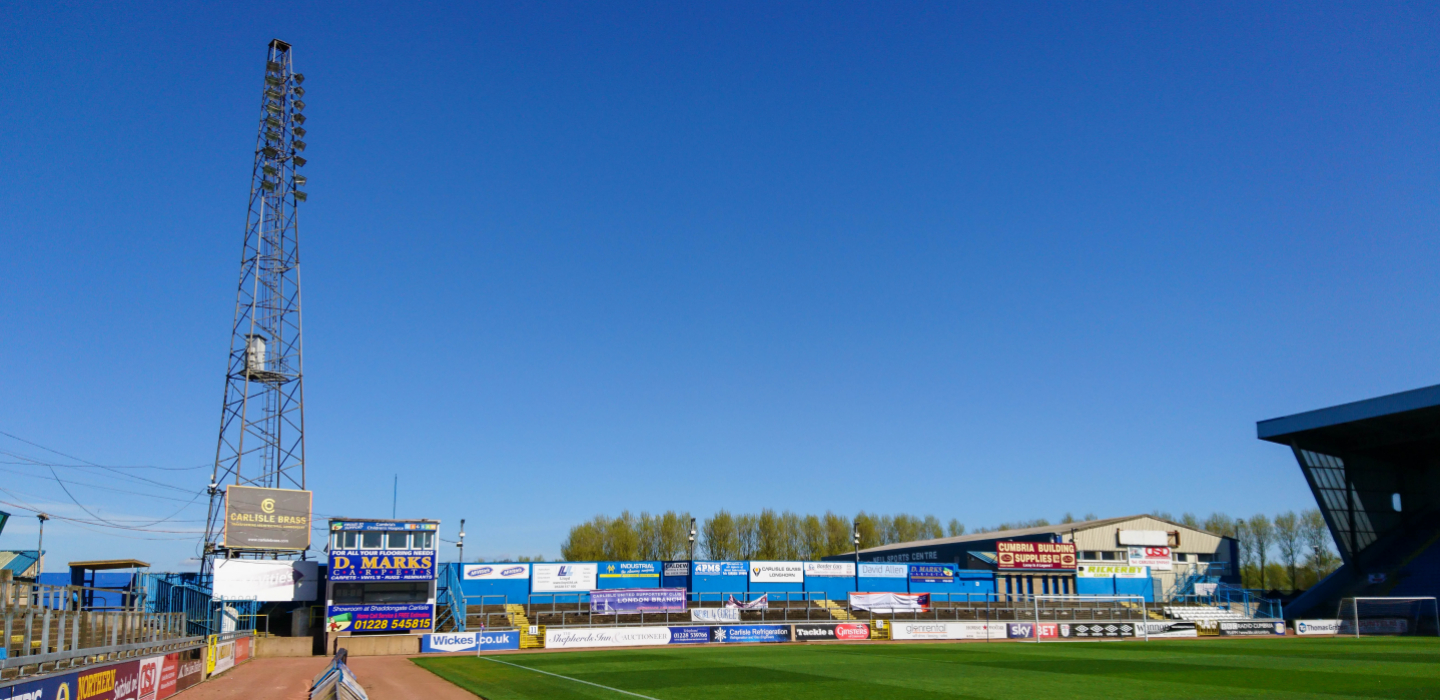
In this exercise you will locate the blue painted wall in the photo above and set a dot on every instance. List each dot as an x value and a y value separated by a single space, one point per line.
967 581
702 582
872 584
833 587
514 590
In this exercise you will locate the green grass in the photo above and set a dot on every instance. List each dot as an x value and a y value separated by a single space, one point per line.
1170 669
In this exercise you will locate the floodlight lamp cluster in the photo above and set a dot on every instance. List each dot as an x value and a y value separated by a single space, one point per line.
282 91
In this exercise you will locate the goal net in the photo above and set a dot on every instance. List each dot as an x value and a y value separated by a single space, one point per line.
1389 616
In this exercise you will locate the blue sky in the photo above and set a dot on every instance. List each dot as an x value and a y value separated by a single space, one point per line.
976 260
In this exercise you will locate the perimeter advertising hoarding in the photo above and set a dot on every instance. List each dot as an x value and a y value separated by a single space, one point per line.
190 668
1251 628
884 571
118 682
560 638
470 641
620 600
777 572
53 688
267 519
690 635
714 614
630 569
221 657
1167 630
677 568
948 630
932 573
836 569
737 634
1110 571
560 578
831 631
379 617
1047 556
382 565
1092 630
1310 627
150 670
495 572
266 580
1154 557
721 568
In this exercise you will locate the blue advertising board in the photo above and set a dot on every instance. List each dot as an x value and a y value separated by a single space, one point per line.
470 641
379 617
66 686
932 573
635 599
381 526
721 568
382 565
1020 630
689 635
731 634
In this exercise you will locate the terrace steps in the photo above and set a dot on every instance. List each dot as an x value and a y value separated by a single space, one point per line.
516 615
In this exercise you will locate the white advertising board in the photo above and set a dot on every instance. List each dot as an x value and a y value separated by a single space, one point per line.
777 572
715 614
884 570
266 581
947 630
561 578
560 638
495 572
1145 538
1110 571
1318 627
830 568
1157 558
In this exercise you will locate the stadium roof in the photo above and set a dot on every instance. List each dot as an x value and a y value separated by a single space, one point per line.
1408 417
1056 529
18 561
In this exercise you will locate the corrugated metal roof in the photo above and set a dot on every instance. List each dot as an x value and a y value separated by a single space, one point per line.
18 561
1056 529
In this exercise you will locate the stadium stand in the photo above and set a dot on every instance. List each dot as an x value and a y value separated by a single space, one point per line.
1196 613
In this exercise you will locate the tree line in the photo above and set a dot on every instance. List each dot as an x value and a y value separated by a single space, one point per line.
1291 551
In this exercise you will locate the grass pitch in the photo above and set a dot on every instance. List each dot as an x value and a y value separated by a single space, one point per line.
1171 669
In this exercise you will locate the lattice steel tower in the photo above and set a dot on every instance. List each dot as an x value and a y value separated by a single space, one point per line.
262 423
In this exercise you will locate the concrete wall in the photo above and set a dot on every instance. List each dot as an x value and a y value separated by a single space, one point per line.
271 647
378 645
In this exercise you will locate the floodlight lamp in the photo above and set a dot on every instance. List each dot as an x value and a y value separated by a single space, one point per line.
270 152
299 162
299 145
299 105
272 135
272 94
299 131
300 196
298 118
299 179
272 66
299 78
267 185
273 108
272 80
299 91
272 122
270 170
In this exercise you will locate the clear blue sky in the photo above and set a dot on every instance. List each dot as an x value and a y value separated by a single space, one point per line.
981 261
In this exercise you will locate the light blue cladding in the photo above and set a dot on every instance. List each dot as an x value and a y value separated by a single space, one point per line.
1116 586
965 581
506 580
831 587
883 578
628 574
710 579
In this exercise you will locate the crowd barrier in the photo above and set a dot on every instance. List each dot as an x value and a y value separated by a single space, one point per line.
143 673
336 682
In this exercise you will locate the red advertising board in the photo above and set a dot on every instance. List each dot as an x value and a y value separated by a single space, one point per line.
1034 555
242 649
1048 630
118 682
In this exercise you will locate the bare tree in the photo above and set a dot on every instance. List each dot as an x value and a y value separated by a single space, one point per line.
1316 535
1262 535
1290 543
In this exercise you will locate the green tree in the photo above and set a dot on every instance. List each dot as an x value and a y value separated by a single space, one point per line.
956 528
586 541
1221 524
1262 536
837 534
1069 518
869 528
1189 520
1316 536
747 529
930 528
719 536
814 542
1289 541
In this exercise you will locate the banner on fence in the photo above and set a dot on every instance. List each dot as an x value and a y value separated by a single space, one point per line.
1251 628
1309 627
495 572
470 641
830 631
715 614
836 569
561 638
379 617
689 635
266 581
948 630
890 602
1110 571
1157 558
559 578
932 573
777 572
750 633
721 568
1168 630
758 604
677 568
884 570
1010 554
620 600
630 569
266 519
381 565
46 689
1092 630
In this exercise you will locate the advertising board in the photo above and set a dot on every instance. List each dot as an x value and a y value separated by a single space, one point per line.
379 617
715 614
727 634
831 631
676 568
1313 627
948 630
1110 571
149 674
1020 630
618 600
1251 628
242 649
1157 558
932 573
630 569
1170 630
777 572
1092 630
266 581
559 578
1144 538
223 656
115 682
560 638
470 641
887 603
830 568
267 519
1013 555
381 565
884 571
721 568
495 572
48 689
690 635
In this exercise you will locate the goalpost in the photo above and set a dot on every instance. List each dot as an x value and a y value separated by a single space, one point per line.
1135 602
1389 615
